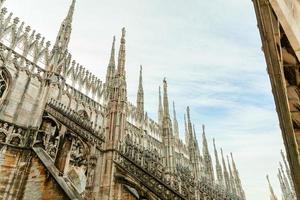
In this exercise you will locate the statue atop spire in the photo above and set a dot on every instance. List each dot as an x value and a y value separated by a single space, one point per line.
140 95
176 129
218 166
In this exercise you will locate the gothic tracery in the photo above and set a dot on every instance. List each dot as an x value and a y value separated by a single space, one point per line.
4 83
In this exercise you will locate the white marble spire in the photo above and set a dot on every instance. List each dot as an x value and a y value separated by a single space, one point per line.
207 158
64 34
110 73
219 172
239 187
272 194
226 175
175 122
121 57
160 108
140 95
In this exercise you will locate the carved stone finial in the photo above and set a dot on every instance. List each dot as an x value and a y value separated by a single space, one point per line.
27 29
1 3
3 11
16 20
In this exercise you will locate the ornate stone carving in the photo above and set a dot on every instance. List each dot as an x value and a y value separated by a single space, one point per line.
3 83
71 119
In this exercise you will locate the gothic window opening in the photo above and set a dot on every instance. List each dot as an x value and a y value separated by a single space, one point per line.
4 83
48 137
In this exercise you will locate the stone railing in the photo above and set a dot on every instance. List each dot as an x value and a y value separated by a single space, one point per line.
146 171
76 123
22 63
135 157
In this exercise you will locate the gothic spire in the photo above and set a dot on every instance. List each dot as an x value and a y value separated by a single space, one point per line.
226 175
121 56
160 108
64 34
207 158
186 131
272 195
194 135
287 169
176 130
59 52
231 178
196 143
218 166
238 183
283 187
168 132
111 65
140 95
285 180
189 127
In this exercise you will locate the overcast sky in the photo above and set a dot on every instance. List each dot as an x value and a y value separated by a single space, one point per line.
210 52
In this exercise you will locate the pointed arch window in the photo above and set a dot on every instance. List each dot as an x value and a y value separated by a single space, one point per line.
4 83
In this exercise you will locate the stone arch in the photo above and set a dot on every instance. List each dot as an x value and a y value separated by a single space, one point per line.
5 80
136 189
50 118
47 136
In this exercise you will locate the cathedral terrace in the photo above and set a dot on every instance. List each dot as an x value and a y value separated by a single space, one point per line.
66 134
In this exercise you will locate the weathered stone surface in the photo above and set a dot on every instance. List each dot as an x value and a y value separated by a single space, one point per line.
23 176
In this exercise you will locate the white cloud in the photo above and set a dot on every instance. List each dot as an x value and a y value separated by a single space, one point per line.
208 50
